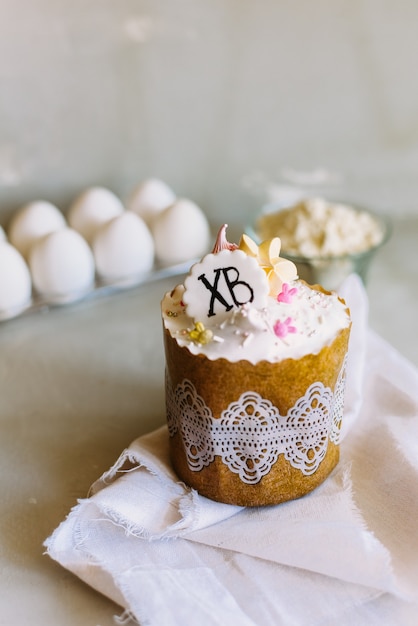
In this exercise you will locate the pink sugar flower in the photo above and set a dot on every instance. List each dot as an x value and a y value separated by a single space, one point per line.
281 329
286 294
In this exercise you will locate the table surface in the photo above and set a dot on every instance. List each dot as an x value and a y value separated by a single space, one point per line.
77 385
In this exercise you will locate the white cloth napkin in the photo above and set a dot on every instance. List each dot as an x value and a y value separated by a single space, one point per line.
345 554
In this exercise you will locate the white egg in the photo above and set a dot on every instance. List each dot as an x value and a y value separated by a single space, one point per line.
15 282
149 198
123 249
62 266
32 222
91 209
2 235
181 232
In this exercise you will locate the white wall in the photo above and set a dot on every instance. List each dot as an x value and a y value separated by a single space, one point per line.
223 99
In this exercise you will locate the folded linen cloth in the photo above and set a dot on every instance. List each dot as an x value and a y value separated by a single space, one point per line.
346 553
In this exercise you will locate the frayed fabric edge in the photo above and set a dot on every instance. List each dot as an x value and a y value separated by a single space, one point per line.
140 454
393 584
128 461
126 618
79 560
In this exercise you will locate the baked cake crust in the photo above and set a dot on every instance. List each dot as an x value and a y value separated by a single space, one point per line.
220 383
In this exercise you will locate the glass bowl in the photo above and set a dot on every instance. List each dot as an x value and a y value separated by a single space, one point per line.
330 271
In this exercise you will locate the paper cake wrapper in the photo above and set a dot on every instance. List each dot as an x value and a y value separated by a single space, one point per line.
220 383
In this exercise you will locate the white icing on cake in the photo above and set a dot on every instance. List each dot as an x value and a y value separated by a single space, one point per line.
281 330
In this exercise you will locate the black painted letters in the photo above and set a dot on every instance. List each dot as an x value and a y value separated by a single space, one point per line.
232 282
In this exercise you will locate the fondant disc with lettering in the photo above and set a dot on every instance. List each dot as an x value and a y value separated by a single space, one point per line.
221 283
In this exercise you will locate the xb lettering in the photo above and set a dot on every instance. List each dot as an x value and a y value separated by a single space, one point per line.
231 279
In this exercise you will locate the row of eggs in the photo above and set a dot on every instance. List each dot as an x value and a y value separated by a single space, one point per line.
59 258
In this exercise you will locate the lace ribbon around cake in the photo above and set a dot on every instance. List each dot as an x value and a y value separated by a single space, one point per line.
250 434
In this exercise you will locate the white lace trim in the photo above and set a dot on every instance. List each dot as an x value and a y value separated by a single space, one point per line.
251 434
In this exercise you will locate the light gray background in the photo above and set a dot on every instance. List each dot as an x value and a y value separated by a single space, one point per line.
223 99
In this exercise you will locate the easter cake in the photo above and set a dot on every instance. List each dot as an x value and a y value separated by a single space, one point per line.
255 375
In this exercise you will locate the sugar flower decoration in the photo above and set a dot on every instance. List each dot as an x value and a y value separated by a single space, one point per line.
277 269
200 334
287 293
221 241
281 329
